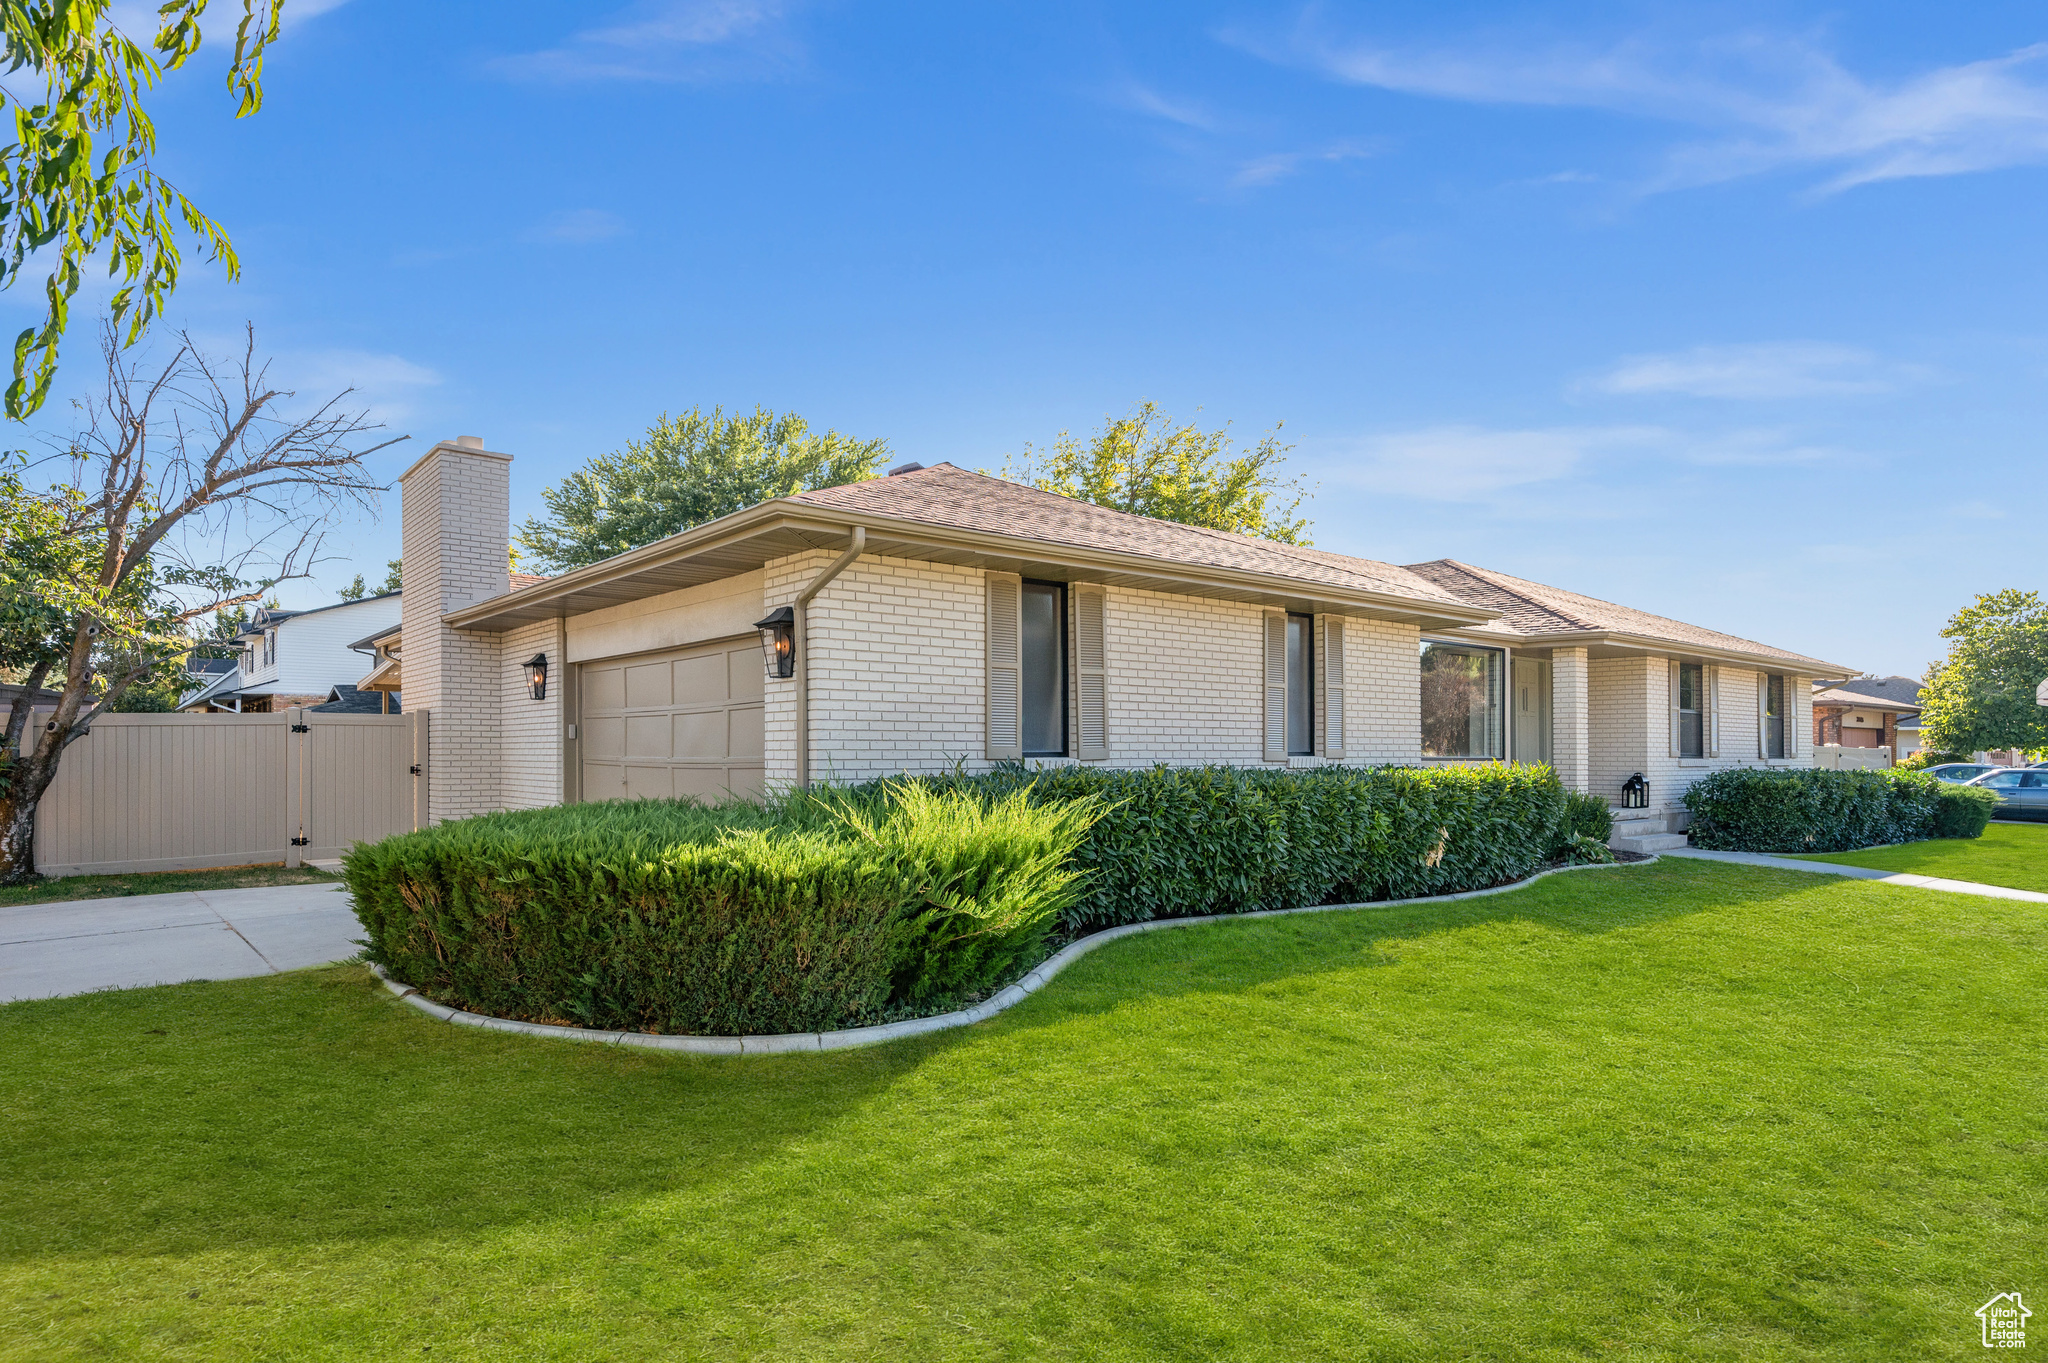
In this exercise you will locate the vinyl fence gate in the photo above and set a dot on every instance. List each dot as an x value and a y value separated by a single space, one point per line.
179 792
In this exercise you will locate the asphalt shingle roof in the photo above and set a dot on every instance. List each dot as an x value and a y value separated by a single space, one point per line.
1532 608
952 497
1898 690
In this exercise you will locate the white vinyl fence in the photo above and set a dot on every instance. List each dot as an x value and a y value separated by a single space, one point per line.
182 792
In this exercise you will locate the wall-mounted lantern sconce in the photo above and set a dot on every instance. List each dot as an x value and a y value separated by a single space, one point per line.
1635 793
778 642
537 676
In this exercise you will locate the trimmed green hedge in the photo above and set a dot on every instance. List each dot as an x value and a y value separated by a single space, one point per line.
1750 810
1180 842
908 896
664 916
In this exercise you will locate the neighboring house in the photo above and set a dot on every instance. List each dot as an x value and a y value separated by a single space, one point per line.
959 620
289 658
1869 712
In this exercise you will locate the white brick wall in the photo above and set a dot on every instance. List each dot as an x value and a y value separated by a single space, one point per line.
1631 728
1570 747
896 656
456 522
531 731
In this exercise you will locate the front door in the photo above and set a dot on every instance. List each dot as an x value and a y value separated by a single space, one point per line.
1532 710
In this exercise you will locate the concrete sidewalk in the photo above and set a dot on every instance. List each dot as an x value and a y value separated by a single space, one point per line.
1828 868
49 950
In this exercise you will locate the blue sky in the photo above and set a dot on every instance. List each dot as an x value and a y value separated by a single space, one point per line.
1731 312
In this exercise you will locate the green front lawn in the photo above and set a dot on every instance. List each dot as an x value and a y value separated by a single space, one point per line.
159 882
2014 855
1686 1110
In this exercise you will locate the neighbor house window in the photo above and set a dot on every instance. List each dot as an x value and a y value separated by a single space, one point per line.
1045 669
1462 701
1774 716
1691 734
269 647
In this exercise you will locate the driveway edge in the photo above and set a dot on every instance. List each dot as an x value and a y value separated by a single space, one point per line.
1034 980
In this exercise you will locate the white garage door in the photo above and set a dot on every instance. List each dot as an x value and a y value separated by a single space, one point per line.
675 724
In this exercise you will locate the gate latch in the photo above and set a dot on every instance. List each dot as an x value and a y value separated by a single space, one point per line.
302 842
302 728
415 769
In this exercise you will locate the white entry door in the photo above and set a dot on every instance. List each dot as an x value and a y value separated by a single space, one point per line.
1532 710
669 725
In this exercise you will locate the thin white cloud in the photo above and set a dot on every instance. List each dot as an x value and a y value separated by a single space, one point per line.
389 386
1277 166
1769 102
1146 100
578 227
1458 463
1763 370
671 40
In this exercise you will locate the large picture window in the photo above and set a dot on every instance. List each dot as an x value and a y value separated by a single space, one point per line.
1691 732
1045 669
1774 716
1461 701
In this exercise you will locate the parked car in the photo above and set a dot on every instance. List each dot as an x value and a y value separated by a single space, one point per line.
2022 792
1960 772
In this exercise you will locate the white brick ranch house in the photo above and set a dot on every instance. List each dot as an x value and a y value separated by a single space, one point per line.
939 617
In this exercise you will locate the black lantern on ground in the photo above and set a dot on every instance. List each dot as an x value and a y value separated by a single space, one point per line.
778 641
537 676
1635 793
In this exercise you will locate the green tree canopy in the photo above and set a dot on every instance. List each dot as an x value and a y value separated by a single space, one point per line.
687 471
75 77
1145 464
1982 696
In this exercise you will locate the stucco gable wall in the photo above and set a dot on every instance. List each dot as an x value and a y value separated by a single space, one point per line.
693 615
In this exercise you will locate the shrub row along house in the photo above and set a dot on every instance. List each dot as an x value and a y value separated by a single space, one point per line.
937 618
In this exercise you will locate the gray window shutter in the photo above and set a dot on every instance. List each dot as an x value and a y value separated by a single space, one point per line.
1331 713
1005 666
1276 686
1710 701
1763 715
1091 671
1673 672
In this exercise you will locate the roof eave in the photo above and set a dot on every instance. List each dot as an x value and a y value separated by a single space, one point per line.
1794 663
803 521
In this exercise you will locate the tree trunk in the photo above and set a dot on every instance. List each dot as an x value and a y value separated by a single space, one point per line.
18 839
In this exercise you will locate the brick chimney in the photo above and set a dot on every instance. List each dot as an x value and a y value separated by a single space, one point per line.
456 523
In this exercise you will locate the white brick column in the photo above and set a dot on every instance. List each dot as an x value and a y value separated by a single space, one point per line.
456 518
1570 731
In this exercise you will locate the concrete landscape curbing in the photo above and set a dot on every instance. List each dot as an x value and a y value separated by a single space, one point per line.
1034 980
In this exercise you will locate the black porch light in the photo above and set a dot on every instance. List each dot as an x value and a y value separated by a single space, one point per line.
1635 793
537 676
778 641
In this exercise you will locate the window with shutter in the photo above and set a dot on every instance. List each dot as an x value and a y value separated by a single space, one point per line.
1301 686
1091 671
1005 685
1332 713
1044 659
1276 686
1690 712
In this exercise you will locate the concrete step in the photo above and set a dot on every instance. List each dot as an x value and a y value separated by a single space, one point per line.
1646 842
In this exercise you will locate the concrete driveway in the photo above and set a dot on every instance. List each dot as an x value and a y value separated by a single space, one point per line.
48 950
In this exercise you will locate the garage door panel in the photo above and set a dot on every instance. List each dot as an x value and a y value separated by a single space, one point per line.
604 737
676 726
700 736
647 736
746 733
603 780
647 684
699 680
648 782
604 688
746 675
